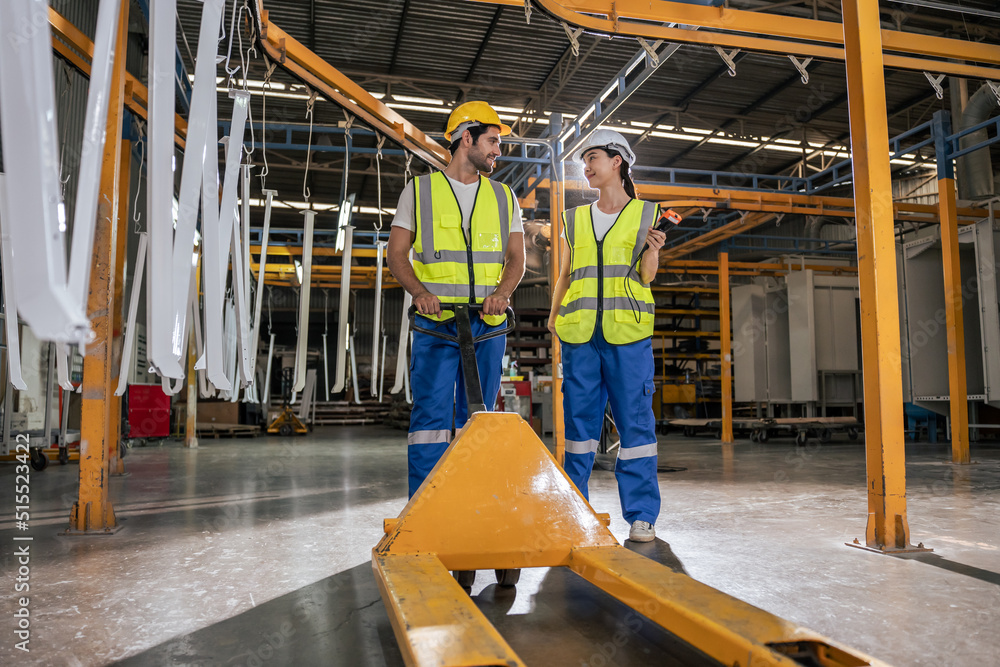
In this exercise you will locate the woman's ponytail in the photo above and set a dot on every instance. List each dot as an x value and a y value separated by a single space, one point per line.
627 183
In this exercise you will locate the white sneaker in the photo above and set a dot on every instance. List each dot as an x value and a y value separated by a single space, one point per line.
642 531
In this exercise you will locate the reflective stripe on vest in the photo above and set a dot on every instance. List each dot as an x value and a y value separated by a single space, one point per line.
452 268
604 282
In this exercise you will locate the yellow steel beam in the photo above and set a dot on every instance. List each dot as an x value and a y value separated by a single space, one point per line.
136 95
883 393
93 510
726 351
117 465
334 85
954 322
814 38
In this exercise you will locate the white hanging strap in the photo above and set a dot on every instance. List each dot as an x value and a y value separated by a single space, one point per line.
241 311
345 300
201 153
801 67
306 192
326 328
215 258
404 335
9 273
308 396
266 396
133 310
377 322
232 349
261 270
354 372
94 126
302 345
28 128
63 352
231 72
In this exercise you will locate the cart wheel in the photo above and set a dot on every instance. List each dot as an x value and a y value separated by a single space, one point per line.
507 578
285 430
754 435
63 456
688 431
852 433
717 433
801 437
122 450
825 435
465 579
762 436
39 461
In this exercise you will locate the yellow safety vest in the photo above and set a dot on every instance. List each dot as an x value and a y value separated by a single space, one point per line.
602 278
451 267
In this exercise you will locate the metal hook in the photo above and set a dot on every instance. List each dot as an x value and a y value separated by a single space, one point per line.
574 38
935 82
650 49
728 58
801 67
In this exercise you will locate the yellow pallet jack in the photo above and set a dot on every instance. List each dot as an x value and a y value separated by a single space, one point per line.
498 500
287 423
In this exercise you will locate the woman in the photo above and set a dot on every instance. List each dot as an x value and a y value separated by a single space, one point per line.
603 311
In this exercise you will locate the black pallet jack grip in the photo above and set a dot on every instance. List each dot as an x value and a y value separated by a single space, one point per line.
466 345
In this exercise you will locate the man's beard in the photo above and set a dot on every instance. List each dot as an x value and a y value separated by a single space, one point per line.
481 162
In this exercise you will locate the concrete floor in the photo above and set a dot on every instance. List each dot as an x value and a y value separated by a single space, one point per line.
253 552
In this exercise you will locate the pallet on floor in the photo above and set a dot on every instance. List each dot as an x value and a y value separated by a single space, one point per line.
227 431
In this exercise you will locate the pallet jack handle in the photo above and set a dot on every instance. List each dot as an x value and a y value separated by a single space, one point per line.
466 346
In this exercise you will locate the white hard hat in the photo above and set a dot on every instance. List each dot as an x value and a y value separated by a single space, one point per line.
609 139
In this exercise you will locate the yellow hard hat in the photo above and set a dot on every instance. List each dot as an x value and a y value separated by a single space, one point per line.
474 112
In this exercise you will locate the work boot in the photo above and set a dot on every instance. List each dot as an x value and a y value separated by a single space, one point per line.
642 531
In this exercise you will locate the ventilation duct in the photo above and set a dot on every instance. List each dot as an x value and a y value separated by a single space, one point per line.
975 170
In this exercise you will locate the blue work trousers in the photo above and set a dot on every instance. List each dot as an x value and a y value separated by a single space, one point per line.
594 373
439 401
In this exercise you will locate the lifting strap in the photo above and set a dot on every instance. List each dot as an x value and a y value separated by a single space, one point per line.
9 294
28 128
305 290
345 300
133 309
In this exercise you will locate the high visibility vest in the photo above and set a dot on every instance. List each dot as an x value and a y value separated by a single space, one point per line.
451 267
604 283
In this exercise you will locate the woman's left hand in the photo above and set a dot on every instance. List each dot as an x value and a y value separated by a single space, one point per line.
655 239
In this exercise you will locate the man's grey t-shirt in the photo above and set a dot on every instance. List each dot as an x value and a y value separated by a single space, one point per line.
466 195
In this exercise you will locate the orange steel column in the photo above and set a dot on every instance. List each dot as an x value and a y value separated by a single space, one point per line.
954 321
727 356
117 465
887 528
557 203
93 510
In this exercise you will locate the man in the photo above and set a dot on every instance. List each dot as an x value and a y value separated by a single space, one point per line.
468 242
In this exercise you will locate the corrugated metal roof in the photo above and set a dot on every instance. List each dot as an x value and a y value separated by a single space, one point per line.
436 49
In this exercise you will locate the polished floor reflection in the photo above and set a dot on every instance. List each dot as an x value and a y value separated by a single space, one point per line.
253 552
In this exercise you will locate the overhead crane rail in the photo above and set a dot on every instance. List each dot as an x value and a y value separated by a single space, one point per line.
766 32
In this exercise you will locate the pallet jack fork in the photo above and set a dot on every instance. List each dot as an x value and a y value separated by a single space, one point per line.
497 499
